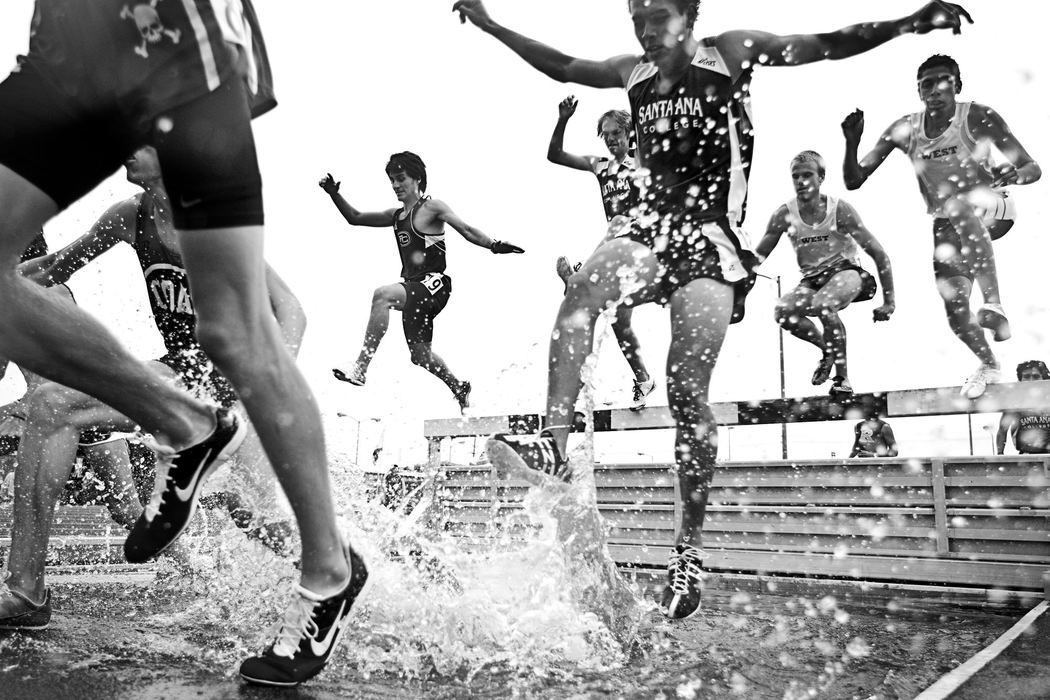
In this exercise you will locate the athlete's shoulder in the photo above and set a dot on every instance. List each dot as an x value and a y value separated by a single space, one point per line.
899 133
120 218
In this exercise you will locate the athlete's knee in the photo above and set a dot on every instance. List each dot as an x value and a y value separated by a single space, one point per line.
381 297
51 406
786 314
420 353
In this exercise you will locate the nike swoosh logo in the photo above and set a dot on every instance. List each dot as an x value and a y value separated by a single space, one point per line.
187 203
324 646
186 493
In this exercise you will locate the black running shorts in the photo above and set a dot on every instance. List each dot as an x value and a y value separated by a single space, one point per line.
868 286
425 297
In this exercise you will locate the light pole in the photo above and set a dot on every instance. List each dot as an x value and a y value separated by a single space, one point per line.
783 393
357 437
729 443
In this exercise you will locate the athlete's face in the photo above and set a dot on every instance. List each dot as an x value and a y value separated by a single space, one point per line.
404 186
1030 375
143 166
659 26
806 179
615 138
937 88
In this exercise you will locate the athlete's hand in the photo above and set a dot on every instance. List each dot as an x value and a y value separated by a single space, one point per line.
939 15
500 247
475 11
884 312
329 185
853 126
567 107
1004 174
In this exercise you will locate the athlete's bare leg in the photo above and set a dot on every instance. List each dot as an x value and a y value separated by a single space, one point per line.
791 313
955 291
424 356
836 294
111 463
700 314
52 337
589 291
628 342
391 296
236 327
977 247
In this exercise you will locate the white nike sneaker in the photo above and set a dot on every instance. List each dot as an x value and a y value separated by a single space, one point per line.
977 382
992 317
311 630
641 393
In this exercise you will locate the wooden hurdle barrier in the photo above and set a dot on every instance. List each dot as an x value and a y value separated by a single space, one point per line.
974 522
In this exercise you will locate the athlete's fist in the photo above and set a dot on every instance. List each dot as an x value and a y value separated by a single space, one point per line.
1004 174
328 184
473 10
939 15
853 125
567 107
883 313
500 247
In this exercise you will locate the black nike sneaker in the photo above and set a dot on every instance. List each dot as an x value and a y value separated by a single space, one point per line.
310 632
535 458
180 476
463 396
840 387
823 370
681 596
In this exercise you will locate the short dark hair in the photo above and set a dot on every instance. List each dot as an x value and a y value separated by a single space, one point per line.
410 164
1037 365
684 6
939 59
622 118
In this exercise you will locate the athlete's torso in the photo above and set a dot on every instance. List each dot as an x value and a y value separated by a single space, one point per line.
619 188
420 252
1033 433
695 140
953 163
819 246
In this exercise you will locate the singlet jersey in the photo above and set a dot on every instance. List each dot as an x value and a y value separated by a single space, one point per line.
166 282
951 164
870 438
820 246
420 252
695 140
1033 433
149 56
619 188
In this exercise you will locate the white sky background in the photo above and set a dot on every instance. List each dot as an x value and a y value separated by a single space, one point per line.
358 81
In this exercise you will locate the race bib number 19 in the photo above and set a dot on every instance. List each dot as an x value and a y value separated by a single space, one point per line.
434 281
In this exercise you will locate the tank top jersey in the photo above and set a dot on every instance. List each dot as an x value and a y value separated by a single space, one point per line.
1033 433
420 252
619 188
953 163
166 283
820 246
695 140
149 56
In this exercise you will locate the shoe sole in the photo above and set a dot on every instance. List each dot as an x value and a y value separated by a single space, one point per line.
998 324
341 376
24 628
224 454
503 457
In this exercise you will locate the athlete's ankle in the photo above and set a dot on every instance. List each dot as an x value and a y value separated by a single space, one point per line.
326 581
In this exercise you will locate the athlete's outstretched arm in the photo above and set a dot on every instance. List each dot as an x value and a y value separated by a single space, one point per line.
556 151
986 123
116 225
855 172
797 49
611 73
445 214
776 228
353 216
287 310
849 222
1007 424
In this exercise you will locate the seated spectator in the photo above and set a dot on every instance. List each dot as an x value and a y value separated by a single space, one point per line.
873 438
1031 431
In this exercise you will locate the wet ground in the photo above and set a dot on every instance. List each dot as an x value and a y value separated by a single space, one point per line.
124 637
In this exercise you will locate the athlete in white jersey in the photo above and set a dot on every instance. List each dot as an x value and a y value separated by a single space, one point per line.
691 109
620 195
825 233
950 145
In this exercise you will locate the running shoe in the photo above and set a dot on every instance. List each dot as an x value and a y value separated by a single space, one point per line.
823 370
355 375
977 382
309 634
177 486
840 387
992 317
463 396
535 458
17 612
685 585
641 393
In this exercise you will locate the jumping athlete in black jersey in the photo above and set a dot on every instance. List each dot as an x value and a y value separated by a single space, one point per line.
57 416
618 183
419 229
692 117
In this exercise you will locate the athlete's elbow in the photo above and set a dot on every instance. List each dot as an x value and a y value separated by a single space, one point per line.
853 183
